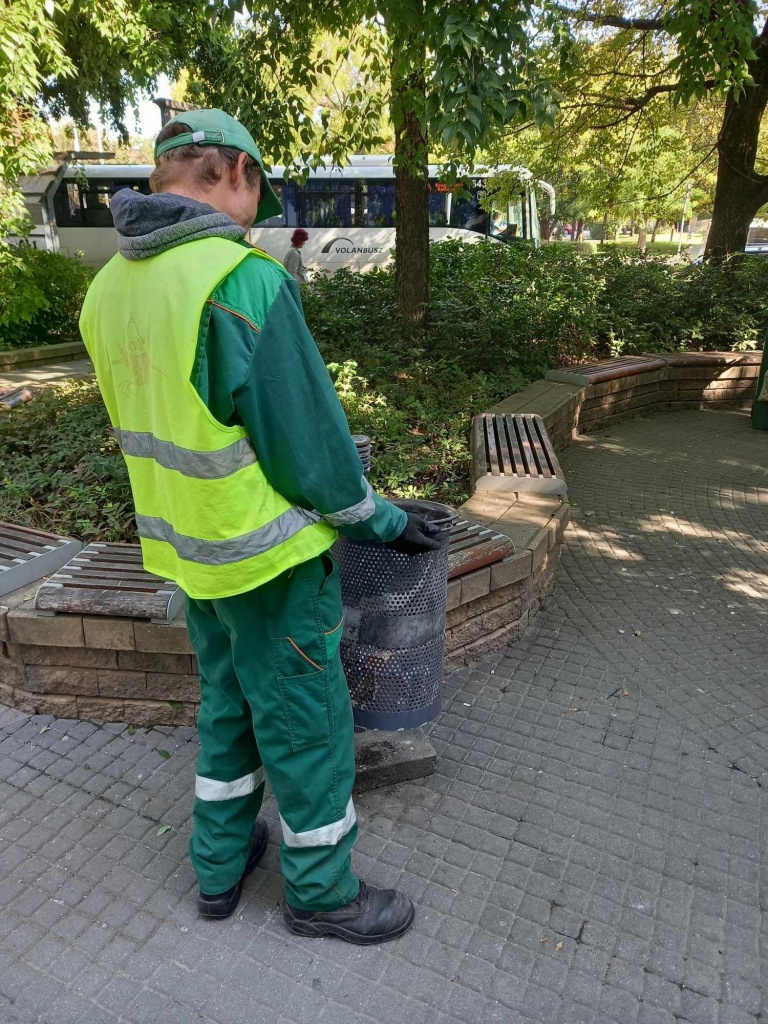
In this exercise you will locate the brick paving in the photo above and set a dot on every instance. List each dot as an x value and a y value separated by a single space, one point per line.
591 849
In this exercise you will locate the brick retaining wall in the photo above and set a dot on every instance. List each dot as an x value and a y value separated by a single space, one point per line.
126 670
122 669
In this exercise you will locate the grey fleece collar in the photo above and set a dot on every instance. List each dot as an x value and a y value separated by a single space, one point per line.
149 225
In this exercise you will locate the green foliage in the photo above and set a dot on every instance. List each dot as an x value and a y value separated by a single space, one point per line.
414 402
501 316
471 67
40 297
57 57
61 471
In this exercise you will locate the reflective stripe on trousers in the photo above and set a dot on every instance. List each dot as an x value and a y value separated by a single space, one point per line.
325 835
212 789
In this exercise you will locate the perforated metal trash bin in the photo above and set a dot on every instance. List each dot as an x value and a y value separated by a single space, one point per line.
393 643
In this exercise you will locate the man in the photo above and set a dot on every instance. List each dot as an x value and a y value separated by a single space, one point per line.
292 260
242 469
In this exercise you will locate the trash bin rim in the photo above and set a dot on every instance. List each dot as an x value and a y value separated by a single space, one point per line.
436 512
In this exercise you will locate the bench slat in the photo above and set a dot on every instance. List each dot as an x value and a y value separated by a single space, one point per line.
27 555
517 454
109 579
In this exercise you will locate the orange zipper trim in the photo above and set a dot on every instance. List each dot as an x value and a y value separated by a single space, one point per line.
297 648
226 309
331 631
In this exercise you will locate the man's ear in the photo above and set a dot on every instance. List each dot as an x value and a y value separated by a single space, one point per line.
237 170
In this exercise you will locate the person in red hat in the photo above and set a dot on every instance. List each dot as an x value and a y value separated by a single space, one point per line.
292 261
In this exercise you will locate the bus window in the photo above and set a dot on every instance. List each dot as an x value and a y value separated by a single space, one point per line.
378 204
77 205
509 224
95 204
439 204
515 218
467 214
290 202
324 204
279 221
66 205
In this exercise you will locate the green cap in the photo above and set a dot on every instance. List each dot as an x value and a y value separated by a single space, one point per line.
215 128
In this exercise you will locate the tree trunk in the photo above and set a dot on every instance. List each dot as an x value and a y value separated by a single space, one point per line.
604 228
656 225
546 227
642 237
740 190
579 230
411 188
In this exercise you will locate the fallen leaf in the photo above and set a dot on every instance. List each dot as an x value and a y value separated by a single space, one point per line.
44 729
574 709
87 766
545 938
637 632
163 829
163 753
626 693
559 946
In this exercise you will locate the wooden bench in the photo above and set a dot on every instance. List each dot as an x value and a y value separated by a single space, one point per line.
27 555
588 374
513 452
109 579
602 393
473 547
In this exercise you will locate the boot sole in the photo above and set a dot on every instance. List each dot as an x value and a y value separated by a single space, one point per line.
318 931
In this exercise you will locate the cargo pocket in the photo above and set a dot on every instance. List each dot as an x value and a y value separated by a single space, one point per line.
330 608
303 686
302 659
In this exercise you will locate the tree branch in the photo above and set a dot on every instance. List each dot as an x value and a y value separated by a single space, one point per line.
613 21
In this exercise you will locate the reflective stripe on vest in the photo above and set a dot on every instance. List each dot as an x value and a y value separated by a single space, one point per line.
233 549
141 444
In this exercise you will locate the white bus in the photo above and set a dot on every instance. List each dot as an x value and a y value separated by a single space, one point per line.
348 212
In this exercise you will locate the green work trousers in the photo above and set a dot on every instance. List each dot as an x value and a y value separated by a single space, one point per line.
274 701
760 404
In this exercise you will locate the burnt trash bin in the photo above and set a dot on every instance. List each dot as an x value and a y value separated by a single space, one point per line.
393 641
363 445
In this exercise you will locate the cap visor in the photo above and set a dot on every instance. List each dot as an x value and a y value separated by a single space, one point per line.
269 204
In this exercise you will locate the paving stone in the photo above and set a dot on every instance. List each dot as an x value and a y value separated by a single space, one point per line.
630 831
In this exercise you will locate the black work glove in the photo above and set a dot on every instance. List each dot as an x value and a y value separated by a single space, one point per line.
418 536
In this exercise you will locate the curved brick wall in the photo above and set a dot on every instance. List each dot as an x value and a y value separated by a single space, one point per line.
120 669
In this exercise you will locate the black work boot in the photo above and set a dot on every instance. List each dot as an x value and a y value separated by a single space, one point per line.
224 903
375 915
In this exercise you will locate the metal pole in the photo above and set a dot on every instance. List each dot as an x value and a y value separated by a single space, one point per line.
682 222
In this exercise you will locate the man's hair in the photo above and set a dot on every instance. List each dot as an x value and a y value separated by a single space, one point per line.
206 163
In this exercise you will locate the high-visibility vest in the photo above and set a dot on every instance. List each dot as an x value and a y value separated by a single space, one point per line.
207 516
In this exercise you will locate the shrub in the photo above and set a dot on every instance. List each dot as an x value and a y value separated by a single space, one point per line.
59 468
41 294
500 316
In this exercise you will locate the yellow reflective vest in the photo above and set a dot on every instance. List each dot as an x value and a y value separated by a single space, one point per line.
207 516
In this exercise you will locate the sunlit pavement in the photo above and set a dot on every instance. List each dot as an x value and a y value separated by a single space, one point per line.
589 850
